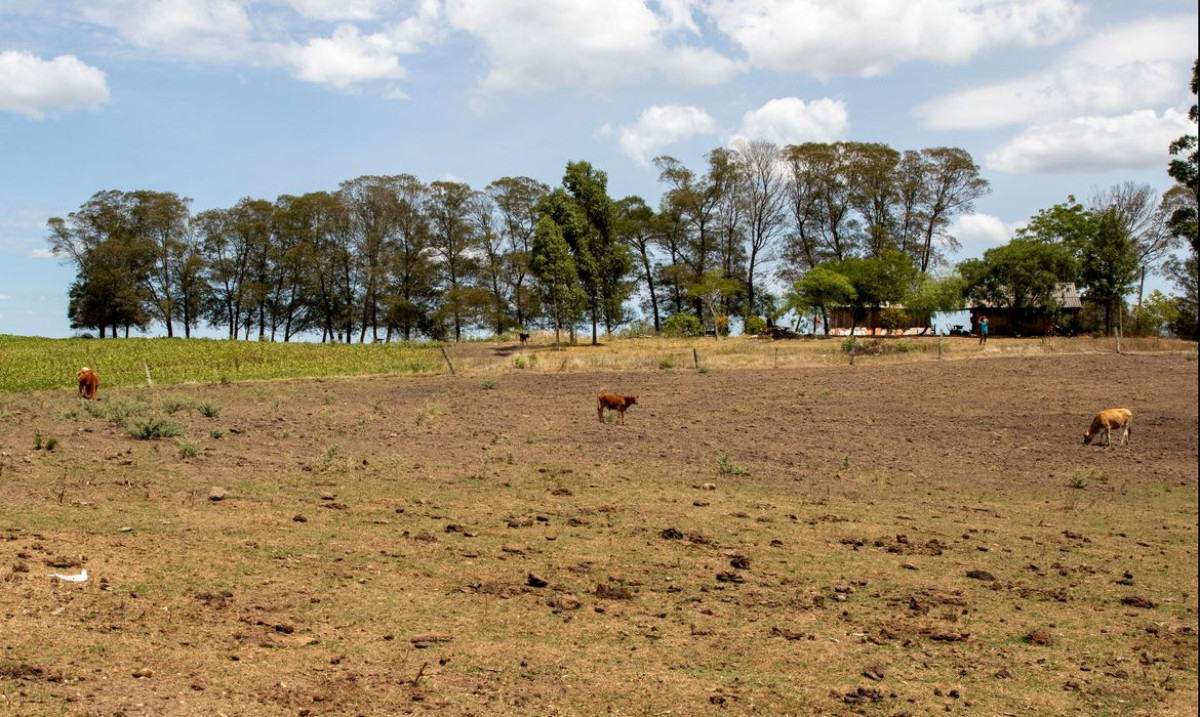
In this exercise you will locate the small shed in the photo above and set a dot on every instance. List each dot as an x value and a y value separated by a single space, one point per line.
1042 321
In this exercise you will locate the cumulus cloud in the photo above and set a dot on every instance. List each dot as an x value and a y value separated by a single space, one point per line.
203 29
536 45
346 58
1134 66
1136 140
42 254
338 9
31 86
977 233
789 120
660 127
838 37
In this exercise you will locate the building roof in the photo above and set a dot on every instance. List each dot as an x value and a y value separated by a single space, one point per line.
1067 297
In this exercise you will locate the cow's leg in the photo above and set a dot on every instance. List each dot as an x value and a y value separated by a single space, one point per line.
600 411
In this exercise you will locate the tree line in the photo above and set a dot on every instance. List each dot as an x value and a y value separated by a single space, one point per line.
844 224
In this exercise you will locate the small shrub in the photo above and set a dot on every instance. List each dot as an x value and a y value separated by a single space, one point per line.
37 439
666 363
175 405
755 325
489 384
682 325
217 434
727 467
849 343
187 447
702 368
51 443
208 409
519 362
427 413
153 428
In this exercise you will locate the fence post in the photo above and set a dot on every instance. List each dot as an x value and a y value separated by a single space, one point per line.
447 360
695 357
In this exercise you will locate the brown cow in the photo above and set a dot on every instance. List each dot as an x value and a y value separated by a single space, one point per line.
613 402
88 383
1106 421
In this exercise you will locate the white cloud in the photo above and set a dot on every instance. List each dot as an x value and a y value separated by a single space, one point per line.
1137 140
204 29
42 254
32 86
789 120
338 9
837 37
977 233
536 45
346 58
1134 66
659 127
5 297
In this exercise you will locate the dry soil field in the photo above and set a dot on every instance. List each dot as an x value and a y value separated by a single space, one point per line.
915 538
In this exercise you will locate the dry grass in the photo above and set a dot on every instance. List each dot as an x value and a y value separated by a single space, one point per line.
374 548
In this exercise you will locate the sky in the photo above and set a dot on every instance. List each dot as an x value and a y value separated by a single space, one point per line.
217 100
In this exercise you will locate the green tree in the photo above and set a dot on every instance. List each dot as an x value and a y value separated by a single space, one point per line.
820 289
456 243
1022 275
1185 170
516 200
936 294
1109 267
604 261
635 226
553 266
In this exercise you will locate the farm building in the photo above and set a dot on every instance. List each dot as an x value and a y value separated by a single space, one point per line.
1038 321
875 321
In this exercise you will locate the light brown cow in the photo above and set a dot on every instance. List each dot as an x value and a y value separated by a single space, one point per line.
614 402
1106 421
88 383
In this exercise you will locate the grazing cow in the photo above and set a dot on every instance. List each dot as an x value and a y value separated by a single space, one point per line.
613 402
524 338
1106 421
88 383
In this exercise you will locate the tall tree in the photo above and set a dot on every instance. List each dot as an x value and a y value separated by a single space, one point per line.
159 221
553 266
110 260
517 199
373 206
1109 266
605 266
455 242
1144 219
1185 209
764 200
952 184
1022 275
635 226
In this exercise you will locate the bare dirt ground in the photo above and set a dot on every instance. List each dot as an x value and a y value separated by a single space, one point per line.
905 539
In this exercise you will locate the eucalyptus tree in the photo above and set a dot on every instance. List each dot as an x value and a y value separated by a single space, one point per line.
1144 218
871 174
823 226
252 221
552 264
762 194
952 183
606 261
455 243
373 207
159 221
1109 266
412 273
635 226
732 232
516 200
493 265
317 228
110 263
225 267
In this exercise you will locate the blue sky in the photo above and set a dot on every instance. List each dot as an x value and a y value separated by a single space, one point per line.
222 99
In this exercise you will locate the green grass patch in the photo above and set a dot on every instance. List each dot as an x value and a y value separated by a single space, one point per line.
38 364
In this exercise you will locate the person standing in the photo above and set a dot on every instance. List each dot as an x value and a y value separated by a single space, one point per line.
983 329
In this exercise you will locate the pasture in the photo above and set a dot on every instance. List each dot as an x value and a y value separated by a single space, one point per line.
772 532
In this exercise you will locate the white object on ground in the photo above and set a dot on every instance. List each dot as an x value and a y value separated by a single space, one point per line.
80 578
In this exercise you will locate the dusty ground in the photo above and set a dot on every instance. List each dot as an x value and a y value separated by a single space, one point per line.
877 539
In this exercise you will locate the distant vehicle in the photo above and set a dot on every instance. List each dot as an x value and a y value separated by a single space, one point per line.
960 330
